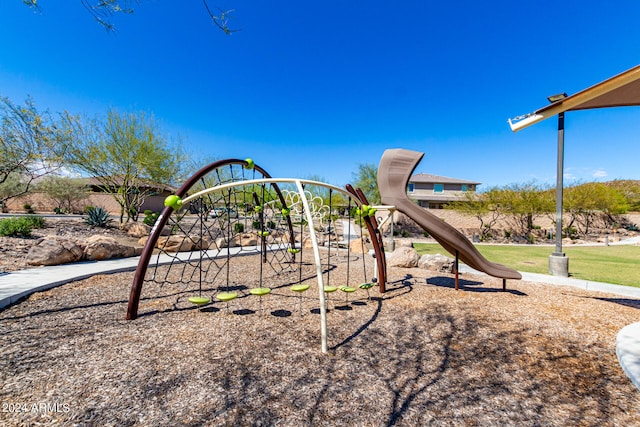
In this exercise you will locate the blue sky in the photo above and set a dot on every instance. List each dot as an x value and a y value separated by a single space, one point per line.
317 88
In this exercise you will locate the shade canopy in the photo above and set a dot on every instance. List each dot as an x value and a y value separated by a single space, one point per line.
622 90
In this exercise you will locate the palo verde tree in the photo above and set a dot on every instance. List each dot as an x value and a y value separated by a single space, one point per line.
65 192
32 145
593 203
128 156
630 189
522 204
366 179
485 207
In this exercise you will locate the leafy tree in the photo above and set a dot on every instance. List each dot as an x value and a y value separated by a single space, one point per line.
104 10
630 189
590 202
11 187
366 179
485 207
65 192
32 145
129 157
522 204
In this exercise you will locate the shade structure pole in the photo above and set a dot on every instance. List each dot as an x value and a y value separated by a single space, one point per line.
558 262
559 184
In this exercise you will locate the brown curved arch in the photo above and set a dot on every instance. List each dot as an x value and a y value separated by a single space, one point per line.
147 251
376 239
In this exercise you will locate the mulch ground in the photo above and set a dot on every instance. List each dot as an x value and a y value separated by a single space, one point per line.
419 354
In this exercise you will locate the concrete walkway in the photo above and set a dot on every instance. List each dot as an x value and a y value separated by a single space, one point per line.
19 284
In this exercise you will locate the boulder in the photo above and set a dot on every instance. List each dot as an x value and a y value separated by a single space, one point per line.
104 247
136 229
307 243
437 262
403 257
175 243
200 243
404 243
358 246
54 250
244 239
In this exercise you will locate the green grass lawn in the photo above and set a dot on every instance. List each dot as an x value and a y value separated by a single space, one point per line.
610 264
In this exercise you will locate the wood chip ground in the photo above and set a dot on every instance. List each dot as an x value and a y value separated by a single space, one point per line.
421 354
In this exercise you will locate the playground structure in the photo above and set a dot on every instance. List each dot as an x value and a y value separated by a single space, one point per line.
395 169
232 213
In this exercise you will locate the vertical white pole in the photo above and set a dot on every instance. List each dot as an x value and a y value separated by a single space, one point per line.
316 254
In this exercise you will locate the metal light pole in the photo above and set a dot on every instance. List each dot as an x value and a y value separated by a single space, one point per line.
558 261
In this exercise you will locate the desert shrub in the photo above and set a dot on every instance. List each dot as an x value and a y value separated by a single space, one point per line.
571 232
150 217
27 207
14 227
97 217
632 227
35 221
238 227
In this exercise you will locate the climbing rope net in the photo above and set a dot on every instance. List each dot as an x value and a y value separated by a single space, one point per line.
232 231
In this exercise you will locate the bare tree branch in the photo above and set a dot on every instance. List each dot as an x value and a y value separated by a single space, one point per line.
222 20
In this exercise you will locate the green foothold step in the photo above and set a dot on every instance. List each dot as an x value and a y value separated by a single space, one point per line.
330 288
199 300
227 296
348 289
366 286
260 291
299 288
293 250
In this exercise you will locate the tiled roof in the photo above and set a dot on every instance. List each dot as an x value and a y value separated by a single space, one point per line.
435 179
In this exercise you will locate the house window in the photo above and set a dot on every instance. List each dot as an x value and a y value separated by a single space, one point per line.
465 188
410 187
438 188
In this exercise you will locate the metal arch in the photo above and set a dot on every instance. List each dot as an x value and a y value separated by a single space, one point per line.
269 180
147 251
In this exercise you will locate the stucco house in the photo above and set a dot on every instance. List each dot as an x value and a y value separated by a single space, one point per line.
95 196
434 192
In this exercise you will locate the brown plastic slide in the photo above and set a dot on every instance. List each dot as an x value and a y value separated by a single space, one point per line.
396 167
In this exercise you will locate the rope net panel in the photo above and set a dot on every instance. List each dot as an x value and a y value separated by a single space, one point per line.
246 236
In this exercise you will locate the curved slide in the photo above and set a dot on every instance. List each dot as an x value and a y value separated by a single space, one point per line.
394 171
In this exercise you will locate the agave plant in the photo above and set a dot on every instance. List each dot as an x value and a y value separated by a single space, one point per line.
97 217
